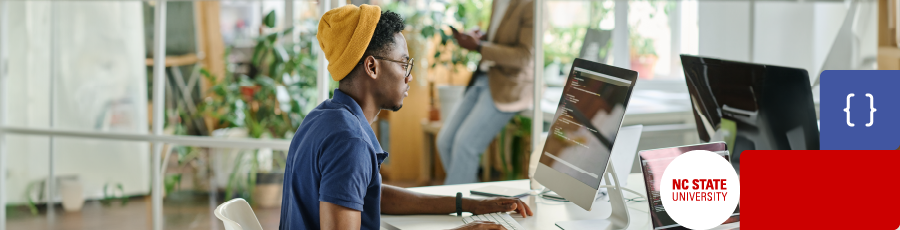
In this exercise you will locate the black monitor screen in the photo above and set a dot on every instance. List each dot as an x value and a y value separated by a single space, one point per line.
751 106
586 122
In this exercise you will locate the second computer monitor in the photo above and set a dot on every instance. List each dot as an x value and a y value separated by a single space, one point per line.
751 106
587 121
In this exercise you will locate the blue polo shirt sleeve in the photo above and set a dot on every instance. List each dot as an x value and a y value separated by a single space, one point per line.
346 167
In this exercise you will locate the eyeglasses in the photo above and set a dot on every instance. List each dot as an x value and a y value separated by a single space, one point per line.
407 64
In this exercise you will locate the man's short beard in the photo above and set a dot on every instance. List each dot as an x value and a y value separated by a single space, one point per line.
396 108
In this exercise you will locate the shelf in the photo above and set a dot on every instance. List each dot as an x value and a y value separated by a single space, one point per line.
889 51
181 60
888 58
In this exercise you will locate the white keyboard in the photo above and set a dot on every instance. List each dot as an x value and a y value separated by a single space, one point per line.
501 218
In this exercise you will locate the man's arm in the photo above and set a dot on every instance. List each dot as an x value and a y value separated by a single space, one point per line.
346 170
399 201
332 216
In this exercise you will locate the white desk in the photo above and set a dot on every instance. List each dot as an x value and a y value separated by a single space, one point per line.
546 213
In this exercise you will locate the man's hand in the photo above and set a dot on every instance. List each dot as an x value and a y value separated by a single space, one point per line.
498 204
468 41
480 225
477 33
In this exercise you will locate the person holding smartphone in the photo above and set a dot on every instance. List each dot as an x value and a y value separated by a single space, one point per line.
501 87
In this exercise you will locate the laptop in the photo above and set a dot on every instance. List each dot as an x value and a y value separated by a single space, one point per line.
654 163
594 41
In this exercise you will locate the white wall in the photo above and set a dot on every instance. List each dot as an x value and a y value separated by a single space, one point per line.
724 29
790 34
784 34
865 31
100 82
825 17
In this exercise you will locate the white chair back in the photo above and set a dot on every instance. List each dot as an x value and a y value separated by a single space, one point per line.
236 214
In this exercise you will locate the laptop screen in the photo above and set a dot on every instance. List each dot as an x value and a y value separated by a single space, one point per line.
654 163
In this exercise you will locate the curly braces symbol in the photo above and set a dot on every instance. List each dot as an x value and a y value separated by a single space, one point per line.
871 110
847 110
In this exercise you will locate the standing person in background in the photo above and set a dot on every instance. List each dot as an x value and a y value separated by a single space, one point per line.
500 87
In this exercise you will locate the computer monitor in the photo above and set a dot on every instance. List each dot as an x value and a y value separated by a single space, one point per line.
751 106
624 152
577 152
594 42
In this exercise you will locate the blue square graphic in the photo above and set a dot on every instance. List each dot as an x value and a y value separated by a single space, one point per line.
878 89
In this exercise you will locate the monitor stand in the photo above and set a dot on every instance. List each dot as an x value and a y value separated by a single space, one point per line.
618 219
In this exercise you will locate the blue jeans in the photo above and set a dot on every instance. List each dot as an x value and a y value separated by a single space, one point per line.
468 131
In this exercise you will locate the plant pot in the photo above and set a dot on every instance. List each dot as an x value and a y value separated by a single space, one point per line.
449 96
644 64
268 190
72 192
223 159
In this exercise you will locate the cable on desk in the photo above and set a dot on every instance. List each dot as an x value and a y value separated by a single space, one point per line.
554 201
629 190
635 199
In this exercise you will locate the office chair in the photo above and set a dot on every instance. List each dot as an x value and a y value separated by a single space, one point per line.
236 214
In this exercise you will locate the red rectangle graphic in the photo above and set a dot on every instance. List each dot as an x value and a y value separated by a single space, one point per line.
818 189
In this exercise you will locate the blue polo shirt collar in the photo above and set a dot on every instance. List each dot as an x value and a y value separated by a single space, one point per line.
356 110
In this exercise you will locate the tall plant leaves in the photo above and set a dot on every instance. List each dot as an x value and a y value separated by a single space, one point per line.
269 20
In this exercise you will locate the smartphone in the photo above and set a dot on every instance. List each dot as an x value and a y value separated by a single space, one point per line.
454 29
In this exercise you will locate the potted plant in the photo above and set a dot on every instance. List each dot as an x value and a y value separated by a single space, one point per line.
642 50
71 190
268 188
268 101
68 187
643 56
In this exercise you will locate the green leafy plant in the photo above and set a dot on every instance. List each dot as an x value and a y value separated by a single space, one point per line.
109 194
641 45
519 128
428 24
170 183
271 101
564 43
32 205
274 98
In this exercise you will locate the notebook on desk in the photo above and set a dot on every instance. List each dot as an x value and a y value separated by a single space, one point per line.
499 191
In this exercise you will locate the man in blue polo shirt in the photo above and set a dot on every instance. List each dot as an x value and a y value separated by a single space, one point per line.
332 179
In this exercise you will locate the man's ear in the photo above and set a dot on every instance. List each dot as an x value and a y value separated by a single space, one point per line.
370 66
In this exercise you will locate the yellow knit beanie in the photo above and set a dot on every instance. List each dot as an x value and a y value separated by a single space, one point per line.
344 33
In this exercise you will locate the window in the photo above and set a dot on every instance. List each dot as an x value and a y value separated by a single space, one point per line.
659 31
79 93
